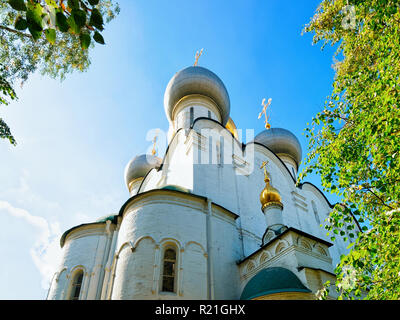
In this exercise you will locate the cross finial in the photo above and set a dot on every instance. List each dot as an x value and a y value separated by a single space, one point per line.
264 166
153 152
264 111
198 54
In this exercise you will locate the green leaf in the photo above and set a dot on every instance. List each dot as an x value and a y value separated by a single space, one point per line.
34 17
98 38
79 17
96 19
72 24
73 4
18 5
94 2
20 23
35 34
85 39
61 22
50 35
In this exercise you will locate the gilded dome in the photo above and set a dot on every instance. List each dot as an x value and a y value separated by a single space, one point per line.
231 127
281 141
269 195
139 166
197 80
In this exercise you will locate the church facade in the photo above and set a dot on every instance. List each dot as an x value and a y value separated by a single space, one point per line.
213 219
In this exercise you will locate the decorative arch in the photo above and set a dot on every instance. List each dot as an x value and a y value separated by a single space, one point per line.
305 244
194 243
321 250
58 274
250 266
282 245
77 276
167 240
264 256
137 242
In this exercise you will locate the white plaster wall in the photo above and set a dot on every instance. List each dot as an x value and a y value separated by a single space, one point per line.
58 286
226 251
134 271
80 251
194 271
159 219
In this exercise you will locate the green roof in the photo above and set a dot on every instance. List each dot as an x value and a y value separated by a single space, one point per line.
175 188
272 280
112 217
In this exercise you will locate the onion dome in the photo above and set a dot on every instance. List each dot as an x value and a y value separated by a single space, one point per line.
139 166
269 195
197 80
231 127
272 280
281 141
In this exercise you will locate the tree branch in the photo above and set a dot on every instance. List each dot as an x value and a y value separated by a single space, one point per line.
16 31
379 198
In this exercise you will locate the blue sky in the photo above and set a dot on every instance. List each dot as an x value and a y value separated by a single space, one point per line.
75 137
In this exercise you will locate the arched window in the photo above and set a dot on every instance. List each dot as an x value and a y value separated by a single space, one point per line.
76 285
169 270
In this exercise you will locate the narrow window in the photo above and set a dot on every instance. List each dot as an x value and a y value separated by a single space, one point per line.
315 212
76 285
221 150
168 274
191 116
294 174
209 114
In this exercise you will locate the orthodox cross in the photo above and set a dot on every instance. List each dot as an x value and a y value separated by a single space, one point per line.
264 166
198 54
153 152
264 111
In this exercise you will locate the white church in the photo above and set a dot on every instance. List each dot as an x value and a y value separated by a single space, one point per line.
215 218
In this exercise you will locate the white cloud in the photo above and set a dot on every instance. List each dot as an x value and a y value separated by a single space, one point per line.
45 252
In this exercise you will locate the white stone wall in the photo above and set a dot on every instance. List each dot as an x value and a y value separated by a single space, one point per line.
207 249
146 225
84 249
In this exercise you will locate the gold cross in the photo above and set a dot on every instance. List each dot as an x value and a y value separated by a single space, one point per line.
264 166
198 54
264 111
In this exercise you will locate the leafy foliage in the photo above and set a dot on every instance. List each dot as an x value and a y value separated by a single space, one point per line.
51 36
355 141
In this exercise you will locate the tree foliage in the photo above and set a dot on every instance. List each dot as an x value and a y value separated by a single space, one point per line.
354 141
50 36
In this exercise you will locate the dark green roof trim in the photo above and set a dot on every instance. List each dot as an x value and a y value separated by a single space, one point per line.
272 280
113 218
175 188
310 236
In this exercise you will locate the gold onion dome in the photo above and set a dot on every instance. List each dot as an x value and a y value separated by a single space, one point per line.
269 195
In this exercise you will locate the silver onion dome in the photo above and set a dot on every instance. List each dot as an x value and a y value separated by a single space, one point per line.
197 80
281 141
139 166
